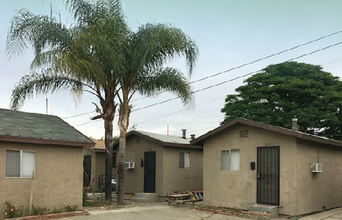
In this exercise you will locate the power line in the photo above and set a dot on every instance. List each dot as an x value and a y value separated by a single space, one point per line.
238 77
240 66
257 60
230 80
73 116
139 123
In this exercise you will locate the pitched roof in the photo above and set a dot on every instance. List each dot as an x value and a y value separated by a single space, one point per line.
99 145
17 126
285 131
165 140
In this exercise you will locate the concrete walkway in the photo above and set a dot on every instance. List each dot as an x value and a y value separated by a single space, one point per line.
333 214
157 211
153 211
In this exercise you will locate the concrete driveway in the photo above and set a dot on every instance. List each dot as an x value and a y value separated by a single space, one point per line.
157 211
153 211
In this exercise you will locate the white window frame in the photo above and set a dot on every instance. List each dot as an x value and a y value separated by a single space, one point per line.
230 165
21 164
185 164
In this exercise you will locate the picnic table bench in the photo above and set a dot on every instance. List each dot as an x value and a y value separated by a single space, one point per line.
183 197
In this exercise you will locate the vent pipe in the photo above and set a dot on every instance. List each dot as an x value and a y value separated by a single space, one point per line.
294 124
184 133
193 136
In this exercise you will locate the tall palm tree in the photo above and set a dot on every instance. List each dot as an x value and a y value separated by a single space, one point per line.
83 57
101 55
149 50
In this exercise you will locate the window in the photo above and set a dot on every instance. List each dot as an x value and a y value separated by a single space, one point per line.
230 160
184 160
20 163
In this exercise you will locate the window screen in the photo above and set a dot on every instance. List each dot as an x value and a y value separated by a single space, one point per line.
12 163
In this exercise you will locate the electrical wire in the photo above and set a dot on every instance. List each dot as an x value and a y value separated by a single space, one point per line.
73 116
230 80
139 123
257 60
237 67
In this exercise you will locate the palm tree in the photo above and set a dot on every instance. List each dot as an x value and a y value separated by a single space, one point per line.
83 57
149 49
101 55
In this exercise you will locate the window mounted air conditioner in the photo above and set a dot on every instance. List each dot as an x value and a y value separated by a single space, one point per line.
129 165
316 167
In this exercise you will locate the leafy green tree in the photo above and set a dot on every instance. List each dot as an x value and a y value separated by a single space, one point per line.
86 56
287 90
101 55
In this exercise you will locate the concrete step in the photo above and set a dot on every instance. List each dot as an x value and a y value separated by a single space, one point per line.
273 210
145 197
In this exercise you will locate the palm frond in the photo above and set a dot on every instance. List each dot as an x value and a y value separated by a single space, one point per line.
42 83
167 79
39 31
155 44
45 59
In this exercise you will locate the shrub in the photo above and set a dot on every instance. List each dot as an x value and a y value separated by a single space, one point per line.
13 210
36 210
70 208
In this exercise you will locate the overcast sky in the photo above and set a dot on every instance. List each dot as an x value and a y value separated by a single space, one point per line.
229 33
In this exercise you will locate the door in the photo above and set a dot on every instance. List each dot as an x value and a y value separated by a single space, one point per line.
150 172
268 166
86 170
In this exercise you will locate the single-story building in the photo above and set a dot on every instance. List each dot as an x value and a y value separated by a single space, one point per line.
94 167
247 163
161 164
41 160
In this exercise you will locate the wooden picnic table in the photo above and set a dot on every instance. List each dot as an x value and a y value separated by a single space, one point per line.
183 197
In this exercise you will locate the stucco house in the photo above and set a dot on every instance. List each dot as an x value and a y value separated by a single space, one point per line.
161 164
94 167
247 163
41 160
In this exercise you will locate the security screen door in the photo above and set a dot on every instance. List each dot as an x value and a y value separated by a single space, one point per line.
150 172
268 165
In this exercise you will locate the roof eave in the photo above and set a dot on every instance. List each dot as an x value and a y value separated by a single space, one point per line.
45 141
182 146
268 127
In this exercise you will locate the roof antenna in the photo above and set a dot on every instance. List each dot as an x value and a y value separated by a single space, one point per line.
47 105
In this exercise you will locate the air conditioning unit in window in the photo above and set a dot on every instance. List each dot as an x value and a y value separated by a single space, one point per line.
129 165
316 167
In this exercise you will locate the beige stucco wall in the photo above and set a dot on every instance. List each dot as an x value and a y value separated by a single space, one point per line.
321 189
169 177
134 178
97 168
182 179
59 177
87 151
237 189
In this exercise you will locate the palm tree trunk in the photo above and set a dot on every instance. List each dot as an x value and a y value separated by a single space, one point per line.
108 158
108 107
123 126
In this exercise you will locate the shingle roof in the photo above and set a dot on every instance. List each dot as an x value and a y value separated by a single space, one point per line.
165 140
33 126
99 145
285 131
